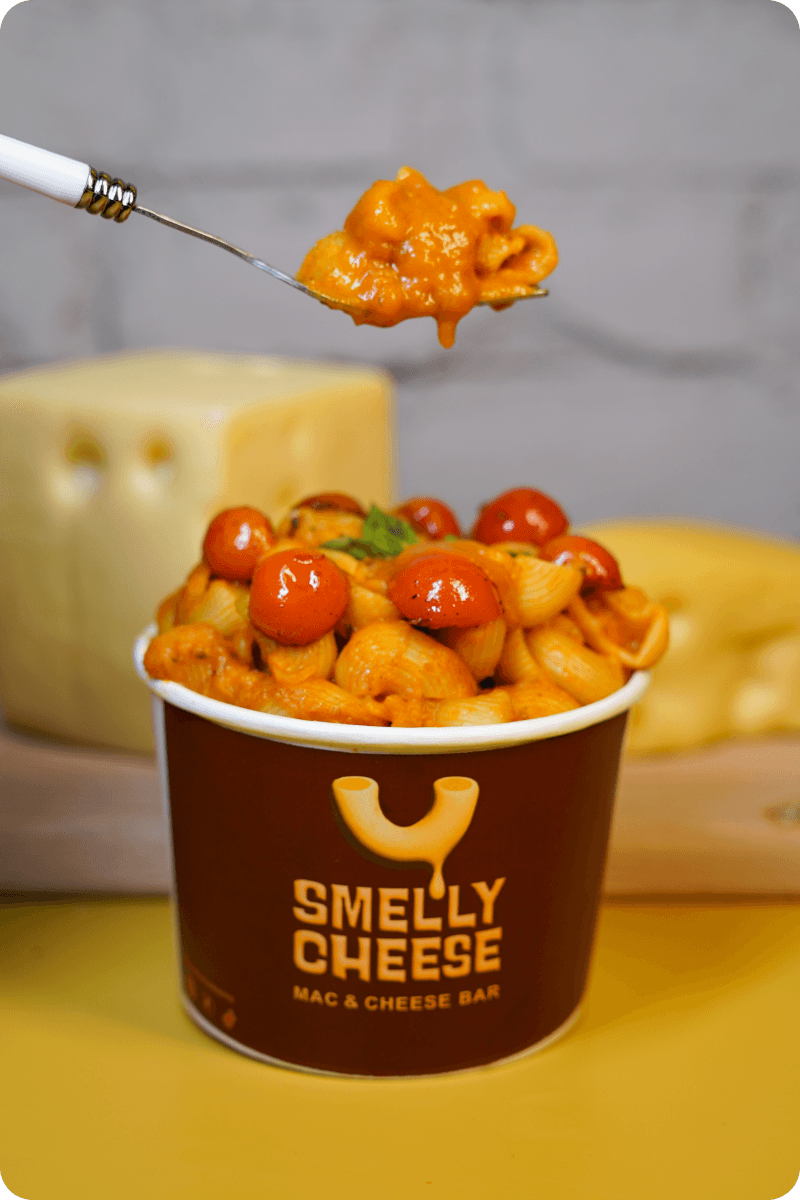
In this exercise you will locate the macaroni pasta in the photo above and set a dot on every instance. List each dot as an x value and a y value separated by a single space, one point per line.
363 619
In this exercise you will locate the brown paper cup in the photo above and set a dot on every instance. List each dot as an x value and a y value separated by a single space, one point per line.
385 902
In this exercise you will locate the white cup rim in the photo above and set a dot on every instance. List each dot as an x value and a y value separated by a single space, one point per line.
326 735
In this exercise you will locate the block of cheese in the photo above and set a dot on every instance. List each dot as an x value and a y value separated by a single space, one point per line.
110 470
733 666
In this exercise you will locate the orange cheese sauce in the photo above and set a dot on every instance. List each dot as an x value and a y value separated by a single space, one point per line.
409 250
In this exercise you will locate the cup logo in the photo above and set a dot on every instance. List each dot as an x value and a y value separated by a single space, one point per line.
430 840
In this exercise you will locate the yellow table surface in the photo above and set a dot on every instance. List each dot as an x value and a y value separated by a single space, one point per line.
681 1080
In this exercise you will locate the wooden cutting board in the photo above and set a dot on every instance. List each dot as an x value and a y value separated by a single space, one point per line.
724 819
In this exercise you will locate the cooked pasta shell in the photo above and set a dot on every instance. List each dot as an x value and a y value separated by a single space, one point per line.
241 644
492 707
198 657
366 606
372 573
222 605
313 526
487 708
167 611
344 561
516 661
480 647
320 700
409 712
583 673
593 625
192 592
543 588
188 654
631 603
284 543
655 642
375 573
294 664
393 657
651 622
565 624
495 248
238 684
624 625
539 698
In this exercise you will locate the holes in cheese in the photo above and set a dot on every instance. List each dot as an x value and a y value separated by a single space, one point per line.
158 454
86 462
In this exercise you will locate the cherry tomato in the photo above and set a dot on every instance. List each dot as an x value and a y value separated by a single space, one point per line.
236 541
297 596
443 590
600 568
521 515
335 500
430 516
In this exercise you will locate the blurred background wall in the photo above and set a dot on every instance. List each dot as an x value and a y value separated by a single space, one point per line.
657 139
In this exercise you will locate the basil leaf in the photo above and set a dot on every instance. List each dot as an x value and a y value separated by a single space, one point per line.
352 546
383 536
386 533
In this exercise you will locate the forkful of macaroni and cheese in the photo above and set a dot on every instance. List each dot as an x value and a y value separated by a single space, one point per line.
406 249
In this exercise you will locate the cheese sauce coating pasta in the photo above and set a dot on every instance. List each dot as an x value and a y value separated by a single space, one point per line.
409 250
368 620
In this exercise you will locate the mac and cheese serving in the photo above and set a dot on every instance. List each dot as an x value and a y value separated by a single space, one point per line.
375 618
409 250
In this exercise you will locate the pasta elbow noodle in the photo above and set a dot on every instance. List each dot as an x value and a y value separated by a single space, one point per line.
582 673
539 698
626 627
311 527
480 647
543 589
296 664
516 661
320 700
490 708
393 657
366 606
220 606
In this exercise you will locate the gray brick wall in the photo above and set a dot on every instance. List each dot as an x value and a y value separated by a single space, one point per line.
658 139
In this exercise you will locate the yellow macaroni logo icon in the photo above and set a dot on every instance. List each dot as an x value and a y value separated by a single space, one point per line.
429 840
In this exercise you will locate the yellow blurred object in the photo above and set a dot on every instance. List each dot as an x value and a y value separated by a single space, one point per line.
733 664
678 1081
111 469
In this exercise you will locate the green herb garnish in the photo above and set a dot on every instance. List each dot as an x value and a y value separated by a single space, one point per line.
383 536
352 546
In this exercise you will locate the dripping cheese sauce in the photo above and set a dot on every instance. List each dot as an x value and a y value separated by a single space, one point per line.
409 250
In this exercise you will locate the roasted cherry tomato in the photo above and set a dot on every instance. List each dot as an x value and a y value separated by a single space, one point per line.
236 541
600 568
521 515
335 500
430 516
443 590
297 596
